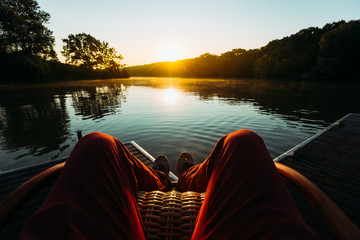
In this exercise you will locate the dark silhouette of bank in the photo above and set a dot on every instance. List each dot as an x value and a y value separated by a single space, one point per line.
27 49
330 53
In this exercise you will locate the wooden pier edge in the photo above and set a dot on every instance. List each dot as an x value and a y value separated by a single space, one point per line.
330 159
172 176
293 150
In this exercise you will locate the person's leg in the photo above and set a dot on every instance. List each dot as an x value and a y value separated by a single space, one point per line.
95 196
245 196
194 179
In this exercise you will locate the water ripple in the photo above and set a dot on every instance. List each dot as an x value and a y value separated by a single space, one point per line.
171 117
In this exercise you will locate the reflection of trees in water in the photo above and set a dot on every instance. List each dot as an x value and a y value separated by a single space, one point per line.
36 121
302 101
299 101
97 102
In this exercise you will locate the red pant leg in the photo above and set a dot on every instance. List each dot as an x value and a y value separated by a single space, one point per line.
95 194
195 179
245 196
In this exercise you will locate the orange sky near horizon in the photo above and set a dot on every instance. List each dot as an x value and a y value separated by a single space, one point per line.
153 31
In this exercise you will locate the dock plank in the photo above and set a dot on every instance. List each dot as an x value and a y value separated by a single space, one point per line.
332 162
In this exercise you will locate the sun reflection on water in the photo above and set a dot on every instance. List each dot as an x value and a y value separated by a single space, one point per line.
171 96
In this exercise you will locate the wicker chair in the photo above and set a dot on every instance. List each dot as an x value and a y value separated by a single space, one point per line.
172 215
169 215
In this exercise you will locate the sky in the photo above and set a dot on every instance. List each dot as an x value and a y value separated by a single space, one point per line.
148 31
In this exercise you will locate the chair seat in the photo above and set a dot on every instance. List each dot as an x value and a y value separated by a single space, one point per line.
169 215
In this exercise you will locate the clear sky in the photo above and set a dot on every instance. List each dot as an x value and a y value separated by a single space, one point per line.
147 31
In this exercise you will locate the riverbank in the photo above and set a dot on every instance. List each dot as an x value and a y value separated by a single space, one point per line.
20 68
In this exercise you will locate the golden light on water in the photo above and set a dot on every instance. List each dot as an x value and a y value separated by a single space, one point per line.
169 52
171 96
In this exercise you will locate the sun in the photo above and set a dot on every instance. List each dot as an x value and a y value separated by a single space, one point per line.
169 52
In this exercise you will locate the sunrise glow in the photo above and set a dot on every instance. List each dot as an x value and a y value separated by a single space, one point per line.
145 32
169 52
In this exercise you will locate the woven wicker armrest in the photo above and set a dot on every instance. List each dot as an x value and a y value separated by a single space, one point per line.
336 219
13 202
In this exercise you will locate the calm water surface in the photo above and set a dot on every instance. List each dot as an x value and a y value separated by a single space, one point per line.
164 115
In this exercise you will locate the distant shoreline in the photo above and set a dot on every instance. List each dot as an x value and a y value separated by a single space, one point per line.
19 68
316 54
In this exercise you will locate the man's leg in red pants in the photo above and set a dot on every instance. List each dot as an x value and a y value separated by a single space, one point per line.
245 196
95 196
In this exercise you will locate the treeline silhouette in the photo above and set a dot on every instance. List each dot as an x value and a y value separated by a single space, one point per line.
27 49
328 53
20 68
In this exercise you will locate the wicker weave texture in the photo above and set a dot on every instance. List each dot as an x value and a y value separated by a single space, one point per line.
169 215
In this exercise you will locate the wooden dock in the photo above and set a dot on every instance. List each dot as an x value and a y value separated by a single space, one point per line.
331 159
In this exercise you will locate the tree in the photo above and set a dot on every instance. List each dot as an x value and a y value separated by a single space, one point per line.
339 52
84 50
22 29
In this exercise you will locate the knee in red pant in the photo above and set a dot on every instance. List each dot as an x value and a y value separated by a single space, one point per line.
243 136
97 138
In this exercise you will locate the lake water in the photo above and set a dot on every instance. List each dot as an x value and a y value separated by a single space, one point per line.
164 115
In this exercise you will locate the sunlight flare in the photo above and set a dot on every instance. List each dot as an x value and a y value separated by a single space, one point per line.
171 96
169 52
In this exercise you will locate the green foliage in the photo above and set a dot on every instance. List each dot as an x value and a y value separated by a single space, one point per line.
288 57
328 53
339 52
86 51
27 54
22 29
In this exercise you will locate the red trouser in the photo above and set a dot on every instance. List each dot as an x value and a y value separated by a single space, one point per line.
95 196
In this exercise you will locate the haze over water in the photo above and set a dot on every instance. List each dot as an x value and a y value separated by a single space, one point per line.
164 115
